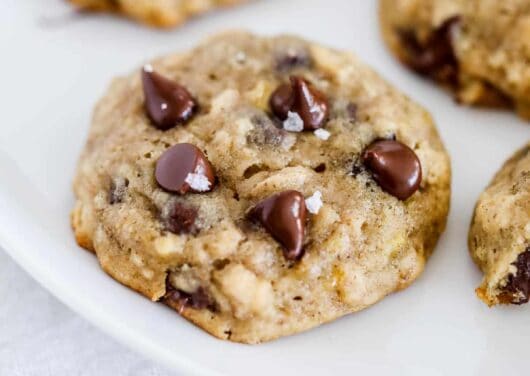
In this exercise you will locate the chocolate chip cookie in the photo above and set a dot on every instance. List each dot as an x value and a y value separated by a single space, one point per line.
499 238
161 13
479 49
261 186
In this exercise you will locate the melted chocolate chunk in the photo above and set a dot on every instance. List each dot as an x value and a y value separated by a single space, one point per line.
180 218
394 166
434 57
301 97
180 300
518 286
283 215
183 168
167 103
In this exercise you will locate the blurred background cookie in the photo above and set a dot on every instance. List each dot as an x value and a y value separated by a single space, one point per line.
159 13
479 49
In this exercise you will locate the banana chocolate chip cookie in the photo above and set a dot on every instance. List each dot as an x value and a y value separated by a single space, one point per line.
479 49
499 238
261 186
161 13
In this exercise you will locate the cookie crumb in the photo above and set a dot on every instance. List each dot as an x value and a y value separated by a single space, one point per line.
198 182
322 134
293 123
314 202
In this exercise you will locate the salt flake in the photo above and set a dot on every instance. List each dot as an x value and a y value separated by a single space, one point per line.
293 123
322 134
198 182
314 203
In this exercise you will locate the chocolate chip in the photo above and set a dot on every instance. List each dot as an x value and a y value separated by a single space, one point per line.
180 300
118 187
180 218
301 97
394 166
183 168
518 286
283 216
434 57
167 103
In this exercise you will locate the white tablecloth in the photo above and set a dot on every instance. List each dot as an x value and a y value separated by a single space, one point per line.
39 336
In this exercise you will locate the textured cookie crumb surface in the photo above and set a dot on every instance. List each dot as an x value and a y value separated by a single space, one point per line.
198 251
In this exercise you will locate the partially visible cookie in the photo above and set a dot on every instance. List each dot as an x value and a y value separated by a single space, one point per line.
261 186
161 13
479 49
499 238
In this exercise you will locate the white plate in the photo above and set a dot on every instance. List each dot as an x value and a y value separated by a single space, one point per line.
54 71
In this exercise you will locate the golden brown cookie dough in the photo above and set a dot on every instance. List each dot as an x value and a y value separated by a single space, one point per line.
161 13
479 49
329 188
499 238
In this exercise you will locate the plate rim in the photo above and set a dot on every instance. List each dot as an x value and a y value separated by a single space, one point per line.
99 318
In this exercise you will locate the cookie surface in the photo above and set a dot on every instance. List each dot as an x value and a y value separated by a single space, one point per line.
162 13
499 238
290 215
479 49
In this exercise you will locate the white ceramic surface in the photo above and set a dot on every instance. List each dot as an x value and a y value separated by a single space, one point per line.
54 67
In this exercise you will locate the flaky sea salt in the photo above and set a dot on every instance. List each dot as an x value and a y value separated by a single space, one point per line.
293 123
322 134
163 106
148 68
198 182
314 203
